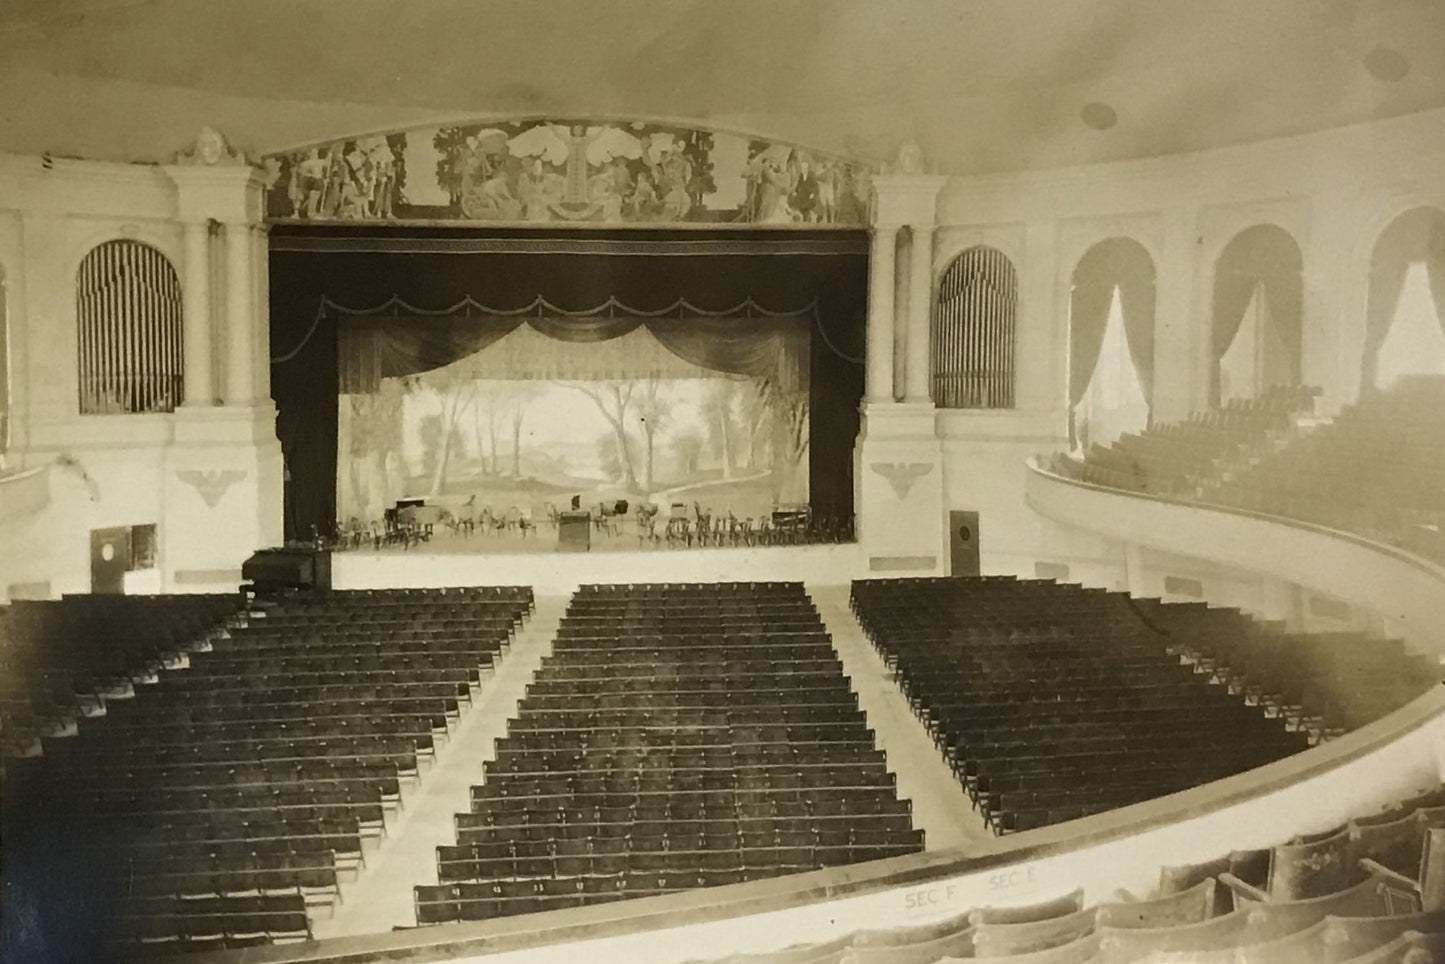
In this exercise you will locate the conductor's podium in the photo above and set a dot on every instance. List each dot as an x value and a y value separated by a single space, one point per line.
574 531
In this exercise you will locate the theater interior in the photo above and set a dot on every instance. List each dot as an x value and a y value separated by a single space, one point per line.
712 482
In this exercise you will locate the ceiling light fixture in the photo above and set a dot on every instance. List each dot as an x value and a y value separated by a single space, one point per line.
1387 64
1098 116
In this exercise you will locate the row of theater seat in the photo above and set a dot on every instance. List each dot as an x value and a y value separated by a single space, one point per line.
224 801
1350 910
678 736
59 658
1377 469
1173 459
1052 702
1326 683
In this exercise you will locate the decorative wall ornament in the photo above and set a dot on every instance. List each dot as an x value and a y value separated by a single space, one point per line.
211 484
902 475
210 150
910 158
546 171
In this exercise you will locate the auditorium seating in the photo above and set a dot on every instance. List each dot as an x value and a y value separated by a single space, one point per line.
1175 459
1053 702
221 802
1328 683
1363 913
58 658
679 736
1377 469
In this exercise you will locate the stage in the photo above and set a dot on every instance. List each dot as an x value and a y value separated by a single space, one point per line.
552 573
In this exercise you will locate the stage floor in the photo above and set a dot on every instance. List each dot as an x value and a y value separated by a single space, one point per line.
544 540
547 570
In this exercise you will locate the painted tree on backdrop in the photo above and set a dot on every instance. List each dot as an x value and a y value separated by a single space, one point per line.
653 416
614 400
376 434
790 437
717 409
739 422
458 391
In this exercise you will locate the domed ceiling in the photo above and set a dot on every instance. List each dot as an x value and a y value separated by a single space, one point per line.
982 85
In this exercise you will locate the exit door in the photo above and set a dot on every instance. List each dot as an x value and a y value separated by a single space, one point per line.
109 559
963 543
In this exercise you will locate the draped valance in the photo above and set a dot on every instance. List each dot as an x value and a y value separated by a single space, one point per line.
396 339
1263 259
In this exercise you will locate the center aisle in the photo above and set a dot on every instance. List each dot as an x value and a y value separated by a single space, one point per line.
941 809
382 896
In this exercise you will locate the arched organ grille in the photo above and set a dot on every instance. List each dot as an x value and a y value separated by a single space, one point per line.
128 314
973 332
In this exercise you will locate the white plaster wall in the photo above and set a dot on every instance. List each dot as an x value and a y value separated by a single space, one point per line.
118 469
1334 191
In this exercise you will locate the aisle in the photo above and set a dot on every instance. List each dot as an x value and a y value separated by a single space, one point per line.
941 808
381 897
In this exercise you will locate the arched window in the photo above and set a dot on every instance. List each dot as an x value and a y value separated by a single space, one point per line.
1258 321
1406 308
973 332
1111 341
128 314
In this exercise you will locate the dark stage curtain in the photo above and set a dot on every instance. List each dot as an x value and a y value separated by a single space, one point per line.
1264 257
1414 236
739 267
376 344
372 348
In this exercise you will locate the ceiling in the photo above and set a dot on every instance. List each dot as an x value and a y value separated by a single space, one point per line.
982 85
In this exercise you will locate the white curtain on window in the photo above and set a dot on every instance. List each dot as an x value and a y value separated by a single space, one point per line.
1114 402
1415 344
1257 359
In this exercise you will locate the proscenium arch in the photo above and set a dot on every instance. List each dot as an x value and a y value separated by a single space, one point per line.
128 325
667 120
577 171
1415 236
974 331
1125 264
1264 259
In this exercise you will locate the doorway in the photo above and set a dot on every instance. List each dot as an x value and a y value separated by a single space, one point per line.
963 543
109 559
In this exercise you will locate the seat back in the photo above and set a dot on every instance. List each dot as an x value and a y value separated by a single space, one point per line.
1070 903
1301 947
1349 937
1185 907
917 934
1026 937
1121 945
1314 869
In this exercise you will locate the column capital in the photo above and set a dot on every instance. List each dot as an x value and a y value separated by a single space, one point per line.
227 193
909 199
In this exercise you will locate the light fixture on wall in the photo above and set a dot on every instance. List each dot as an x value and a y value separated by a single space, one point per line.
67 461
1098 116
1387 64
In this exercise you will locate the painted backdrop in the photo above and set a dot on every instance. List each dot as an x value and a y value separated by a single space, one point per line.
542 171
468 438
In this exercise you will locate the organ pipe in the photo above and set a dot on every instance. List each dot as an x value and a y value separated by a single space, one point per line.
128 326
974 332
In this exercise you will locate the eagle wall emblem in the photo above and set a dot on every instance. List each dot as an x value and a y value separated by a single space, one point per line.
902 475
211 484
